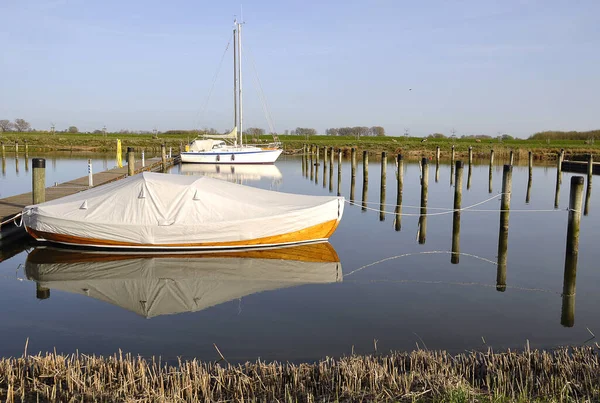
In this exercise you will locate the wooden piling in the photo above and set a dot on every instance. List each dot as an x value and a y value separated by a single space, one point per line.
339 180
317 163
26 164
303 159
26 149
41 292
512 157
424 190
491 170
469 175
572 252
312 163
352 174
38 180
90 174
561 158
452 157
143 158
3 150
530 178
130 162
437 164
16 147
365 179
558 180
455 257
383 186
331 152
163 155
503 232
470 155
588 191
325 162
400 180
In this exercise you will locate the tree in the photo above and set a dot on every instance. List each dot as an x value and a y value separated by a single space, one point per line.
22 125
332 132
255 132
6 125
306 132
436 136
73 129
378 131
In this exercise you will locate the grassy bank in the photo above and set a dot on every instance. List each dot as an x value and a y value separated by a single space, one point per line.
410 147
421 376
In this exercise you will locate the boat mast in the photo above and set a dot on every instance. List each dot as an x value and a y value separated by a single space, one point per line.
235 111
239 49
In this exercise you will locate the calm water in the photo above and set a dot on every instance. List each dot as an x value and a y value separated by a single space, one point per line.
306 312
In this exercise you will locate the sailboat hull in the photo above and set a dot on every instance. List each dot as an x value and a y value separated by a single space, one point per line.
253 155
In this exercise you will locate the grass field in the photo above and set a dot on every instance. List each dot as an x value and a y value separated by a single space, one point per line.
408 146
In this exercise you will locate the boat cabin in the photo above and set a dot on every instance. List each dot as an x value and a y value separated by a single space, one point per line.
207 145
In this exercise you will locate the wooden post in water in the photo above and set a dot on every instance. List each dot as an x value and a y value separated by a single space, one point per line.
383 186
331 152
400 178
452 156
3 150
490 188
558 180
26 164
588 191
130 162
455 257
41 292
38 180
470 155
503 233
26 149
17 147
90 174
317 163
424 190
325 162
512 157
352 173
17 164
570 275
530 179
3 167
312 162
339 180
561 158
303 161
143 158
437 164
365 179
470 168
163 155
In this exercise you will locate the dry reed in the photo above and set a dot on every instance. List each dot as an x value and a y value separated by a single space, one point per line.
565 374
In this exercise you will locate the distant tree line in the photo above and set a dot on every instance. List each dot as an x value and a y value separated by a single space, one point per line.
572 135
18 125
357 131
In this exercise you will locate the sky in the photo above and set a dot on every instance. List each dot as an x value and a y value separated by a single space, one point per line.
476 66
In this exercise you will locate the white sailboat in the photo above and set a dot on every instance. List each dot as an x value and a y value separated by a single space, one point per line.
215 150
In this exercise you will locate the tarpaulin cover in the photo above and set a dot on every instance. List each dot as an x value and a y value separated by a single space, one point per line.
154 208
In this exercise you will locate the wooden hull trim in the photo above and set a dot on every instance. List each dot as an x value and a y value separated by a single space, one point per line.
317 233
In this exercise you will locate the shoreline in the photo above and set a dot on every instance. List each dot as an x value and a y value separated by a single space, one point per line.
563 374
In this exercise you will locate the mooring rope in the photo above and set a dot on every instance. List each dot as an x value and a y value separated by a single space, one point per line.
13 219
432 252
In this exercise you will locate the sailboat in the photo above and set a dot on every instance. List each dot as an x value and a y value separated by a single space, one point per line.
163 284
215 150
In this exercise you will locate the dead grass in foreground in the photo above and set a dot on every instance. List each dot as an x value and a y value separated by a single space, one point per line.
567 374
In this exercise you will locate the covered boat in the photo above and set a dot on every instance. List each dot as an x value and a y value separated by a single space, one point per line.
160 211
163 284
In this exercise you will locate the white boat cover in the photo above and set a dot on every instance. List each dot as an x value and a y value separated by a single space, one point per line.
154 208
152 286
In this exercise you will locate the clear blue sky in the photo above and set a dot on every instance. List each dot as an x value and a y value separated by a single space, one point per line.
477 66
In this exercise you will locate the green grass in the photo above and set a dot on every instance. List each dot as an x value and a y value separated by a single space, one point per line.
409 146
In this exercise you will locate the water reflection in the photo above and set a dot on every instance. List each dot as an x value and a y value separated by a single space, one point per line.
164 284
233 172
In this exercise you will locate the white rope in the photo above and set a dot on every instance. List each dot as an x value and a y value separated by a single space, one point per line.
433 252
261 93
12 219
419 214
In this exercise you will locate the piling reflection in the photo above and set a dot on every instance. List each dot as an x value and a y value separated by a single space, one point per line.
530 178
17 164
558 181
331 170
3 167
339 178
325 162
352 174
588 191
469 174
164 284
365 190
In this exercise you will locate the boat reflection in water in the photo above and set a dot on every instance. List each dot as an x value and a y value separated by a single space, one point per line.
234 173
163 284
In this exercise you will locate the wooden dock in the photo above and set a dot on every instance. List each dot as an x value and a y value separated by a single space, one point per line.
11 207
580 167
